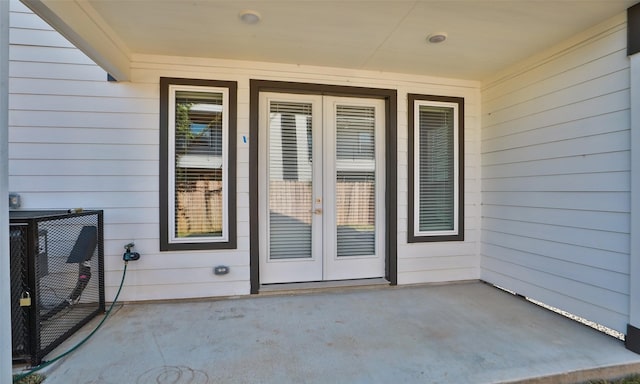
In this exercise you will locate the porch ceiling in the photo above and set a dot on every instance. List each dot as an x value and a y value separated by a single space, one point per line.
483 36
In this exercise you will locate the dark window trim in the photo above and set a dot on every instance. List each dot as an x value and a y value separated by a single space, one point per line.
391 199
412 98
232 86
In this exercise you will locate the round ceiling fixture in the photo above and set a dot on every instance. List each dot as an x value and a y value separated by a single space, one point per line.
437 38
249 16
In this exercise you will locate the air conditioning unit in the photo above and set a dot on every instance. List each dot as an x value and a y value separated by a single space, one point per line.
57 278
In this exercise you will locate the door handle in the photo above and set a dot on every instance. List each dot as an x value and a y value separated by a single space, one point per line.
317 211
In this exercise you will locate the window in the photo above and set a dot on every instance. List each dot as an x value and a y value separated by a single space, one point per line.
197 157
436 168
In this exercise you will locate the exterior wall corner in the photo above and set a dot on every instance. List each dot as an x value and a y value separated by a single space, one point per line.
633 30
632 341
5 291
634 271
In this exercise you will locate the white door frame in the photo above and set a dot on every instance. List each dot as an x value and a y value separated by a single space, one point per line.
324 264
352 267
276 271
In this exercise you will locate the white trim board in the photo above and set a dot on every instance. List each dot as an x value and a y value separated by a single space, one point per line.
5 275
634 267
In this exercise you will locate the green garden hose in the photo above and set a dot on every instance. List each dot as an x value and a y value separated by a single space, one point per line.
19 377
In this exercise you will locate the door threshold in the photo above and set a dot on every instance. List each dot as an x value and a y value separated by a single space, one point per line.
323 285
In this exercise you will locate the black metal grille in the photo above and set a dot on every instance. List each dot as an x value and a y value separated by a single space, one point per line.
19 317
57 260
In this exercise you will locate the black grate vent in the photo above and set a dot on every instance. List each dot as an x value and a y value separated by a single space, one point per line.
19 317
63 255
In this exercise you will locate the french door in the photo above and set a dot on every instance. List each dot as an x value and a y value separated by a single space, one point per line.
321 188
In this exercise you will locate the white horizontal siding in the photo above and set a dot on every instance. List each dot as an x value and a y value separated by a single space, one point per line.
608 221
38 37
61 167
579 182
46 54
29 85
77 140
135 183
615 161
57 71
83 151
553 250
597 125
94 200
555 177
86 103
599 279
82 119
580 110
83 135
597 201
612 241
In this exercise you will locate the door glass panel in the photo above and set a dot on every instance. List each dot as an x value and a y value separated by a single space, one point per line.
355 180
290 180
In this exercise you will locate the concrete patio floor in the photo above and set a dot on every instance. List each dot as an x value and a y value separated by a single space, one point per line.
459 333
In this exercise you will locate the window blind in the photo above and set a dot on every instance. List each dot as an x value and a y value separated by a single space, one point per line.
355 180
290 180
436 168
199 164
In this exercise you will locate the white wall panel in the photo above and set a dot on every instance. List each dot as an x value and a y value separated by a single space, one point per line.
604 278
83 119
178 291
570 130
434 275
82 135
595 162
38 37
556 169
571 253
86 103
607 221
604 181
23 18
28 84
94 200
597 201
579 110
80 141
58 71
611 241
60 167
84 151
42 54
85 183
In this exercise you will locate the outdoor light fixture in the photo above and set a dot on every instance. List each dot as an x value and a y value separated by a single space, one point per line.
249 16
436 38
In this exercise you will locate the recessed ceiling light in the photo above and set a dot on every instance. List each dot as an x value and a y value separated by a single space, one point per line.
249 16
436 38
